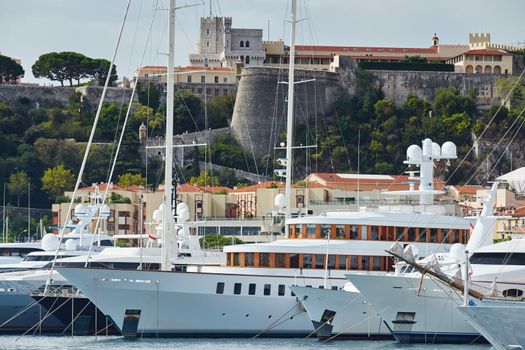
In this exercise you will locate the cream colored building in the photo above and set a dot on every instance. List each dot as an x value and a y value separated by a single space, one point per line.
486 61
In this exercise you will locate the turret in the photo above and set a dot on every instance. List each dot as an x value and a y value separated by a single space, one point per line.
435 40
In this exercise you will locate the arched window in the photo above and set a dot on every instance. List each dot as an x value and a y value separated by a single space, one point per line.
247 43
242 58
487 70
479 69
469 69
497 70
241 44
247 59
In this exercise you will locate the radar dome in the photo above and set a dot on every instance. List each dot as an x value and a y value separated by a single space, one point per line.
427 147
50 242
157 216
414 153
105 211
280 200
71 244
183 212
457 251
81 210
436 150
448 150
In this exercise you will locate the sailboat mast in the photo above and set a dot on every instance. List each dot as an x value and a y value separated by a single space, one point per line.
289 120
168 176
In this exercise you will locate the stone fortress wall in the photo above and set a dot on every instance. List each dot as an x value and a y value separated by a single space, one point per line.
259 114
260 110
58 96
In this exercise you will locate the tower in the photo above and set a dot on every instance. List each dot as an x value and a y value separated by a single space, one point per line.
143 132
435 40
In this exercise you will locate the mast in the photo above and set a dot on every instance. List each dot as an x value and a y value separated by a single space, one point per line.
289 121
168 175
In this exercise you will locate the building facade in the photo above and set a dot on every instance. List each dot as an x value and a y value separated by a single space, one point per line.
220 45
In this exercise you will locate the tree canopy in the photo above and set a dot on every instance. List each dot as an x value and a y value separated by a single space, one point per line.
57 180
10 70
72 66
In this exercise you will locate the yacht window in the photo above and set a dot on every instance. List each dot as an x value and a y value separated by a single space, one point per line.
365 263
340 231
498 258
248 259
455 236
237 288
281 290
325 231
294 260
331 261
342 262
433 237
279 259
400 233
321 287
299 231
411 234
354 262
310 230
513 293
251 289
364 232
422 236
354 232
264 260
319 261
220 288
236 259
307 261
376 263
374 233
334 288
105 243
267 289
445 234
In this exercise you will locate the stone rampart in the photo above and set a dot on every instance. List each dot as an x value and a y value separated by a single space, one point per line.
58 96
260 109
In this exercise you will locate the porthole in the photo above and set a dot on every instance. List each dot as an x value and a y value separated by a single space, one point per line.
513 293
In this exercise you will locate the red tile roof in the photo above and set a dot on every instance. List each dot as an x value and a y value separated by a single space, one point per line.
468 189
190 68
366 181
215 189
407 50
519 212
102 187
487 52
265 184
188 188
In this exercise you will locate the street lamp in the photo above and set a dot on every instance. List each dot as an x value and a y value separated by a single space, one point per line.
19 233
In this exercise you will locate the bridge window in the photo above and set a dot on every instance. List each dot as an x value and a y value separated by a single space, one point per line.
251 288
237 288
281 290
220 288
267 289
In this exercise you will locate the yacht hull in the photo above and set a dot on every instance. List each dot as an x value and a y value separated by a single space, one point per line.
186 304
341 314
19 313
499 322
417 313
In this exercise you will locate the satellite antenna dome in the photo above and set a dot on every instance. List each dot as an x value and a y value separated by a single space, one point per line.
427 147
105 211
157 216
280 200
457 251
414 153
183 212
436 150
50 242
80 210
449 150
71 244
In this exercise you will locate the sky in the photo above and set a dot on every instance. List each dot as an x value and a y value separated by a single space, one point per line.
29 28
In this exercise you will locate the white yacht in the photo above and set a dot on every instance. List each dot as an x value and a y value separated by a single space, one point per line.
12 253
333 312
248 295
422 309
499 321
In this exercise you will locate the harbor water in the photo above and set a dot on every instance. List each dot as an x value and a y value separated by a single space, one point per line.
119 343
